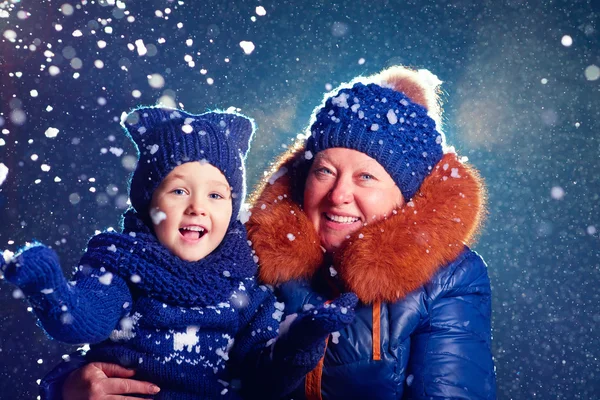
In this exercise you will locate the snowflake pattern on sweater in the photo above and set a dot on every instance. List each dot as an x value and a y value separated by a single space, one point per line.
179 324
189 348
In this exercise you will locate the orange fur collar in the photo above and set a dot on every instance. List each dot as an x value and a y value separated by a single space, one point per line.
384 261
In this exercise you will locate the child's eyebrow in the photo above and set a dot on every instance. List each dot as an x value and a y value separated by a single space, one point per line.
176 176
211 182
221 184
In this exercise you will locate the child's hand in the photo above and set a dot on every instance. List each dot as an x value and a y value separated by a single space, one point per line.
35 268
304 342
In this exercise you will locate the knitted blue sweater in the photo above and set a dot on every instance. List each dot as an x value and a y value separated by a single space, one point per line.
177 323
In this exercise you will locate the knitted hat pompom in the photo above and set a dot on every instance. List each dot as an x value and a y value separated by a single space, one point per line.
166 138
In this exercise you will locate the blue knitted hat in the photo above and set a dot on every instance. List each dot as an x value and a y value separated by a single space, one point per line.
385 125
166 138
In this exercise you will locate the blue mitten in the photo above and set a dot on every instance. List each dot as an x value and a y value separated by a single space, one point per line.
304 342
85 312
35 268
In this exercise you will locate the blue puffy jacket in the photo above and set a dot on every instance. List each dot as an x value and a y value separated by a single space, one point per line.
422 327
435 343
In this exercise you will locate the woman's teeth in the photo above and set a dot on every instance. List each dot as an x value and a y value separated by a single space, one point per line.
340 219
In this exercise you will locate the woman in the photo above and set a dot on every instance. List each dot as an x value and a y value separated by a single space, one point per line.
372 202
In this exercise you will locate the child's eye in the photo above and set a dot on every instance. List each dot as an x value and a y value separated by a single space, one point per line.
178 192
216 196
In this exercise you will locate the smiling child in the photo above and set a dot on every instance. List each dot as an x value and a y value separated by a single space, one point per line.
174 295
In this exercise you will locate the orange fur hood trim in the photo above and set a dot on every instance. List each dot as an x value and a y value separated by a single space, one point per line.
383 261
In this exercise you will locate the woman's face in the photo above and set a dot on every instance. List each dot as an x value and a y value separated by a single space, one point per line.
345 190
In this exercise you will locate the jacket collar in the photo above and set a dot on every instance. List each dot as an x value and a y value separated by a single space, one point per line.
384 261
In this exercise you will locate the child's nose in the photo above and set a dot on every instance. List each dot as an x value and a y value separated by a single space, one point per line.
196 208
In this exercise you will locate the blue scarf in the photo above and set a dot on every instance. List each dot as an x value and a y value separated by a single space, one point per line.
163 276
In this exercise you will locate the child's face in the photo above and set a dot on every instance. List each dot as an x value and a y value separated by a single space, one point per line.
196 199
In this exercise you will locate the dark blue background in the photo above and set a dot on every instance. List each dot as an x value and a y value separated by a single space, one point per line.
526 136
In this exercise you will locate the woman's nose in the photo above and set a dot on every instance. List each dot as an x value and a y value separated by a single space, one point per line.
341 192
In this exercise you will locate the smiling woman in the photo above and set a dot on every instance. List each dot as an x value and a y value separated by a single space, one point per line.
345 190
378 205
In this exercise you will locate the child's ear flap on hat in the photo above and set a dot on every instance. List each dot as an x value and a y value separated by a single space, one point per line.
243 130
240 128
138 121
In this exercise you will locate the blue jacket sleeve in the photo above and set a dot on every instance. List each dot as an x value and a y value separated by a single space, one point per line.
83 311
451 351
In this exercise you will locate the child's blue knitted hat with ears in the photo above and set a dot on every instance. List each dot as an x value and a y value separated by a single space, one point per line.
386 125
166 138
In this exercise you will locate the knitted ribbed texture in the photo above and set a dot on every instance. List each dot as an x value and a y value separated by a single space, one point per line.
297 350
36 267
188 350
304 343
166 277
120 301
67 312
385 125
166 138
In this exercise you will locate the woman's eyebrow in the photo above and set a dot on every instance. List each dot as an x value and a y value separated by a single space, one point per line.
368 164
322 158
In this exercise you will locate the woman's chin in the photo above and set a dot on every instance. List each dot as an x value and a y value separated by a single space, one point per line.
331 244
333 239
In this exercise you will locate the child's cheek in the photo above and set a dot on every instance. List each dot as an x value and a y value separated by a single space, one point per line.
157 215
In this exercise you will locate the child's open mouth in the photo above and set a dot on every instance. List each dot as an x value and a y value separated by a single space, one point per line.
192 232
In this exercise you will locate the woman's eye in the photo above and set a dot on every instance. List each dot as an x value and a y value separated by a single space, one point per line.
366 176
323 170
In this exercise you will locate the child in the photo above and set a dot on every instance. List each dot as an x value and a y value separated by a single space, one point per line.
175 294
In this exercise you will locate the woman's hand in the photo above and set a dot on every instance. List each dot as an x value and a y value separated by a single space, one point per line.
96 381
